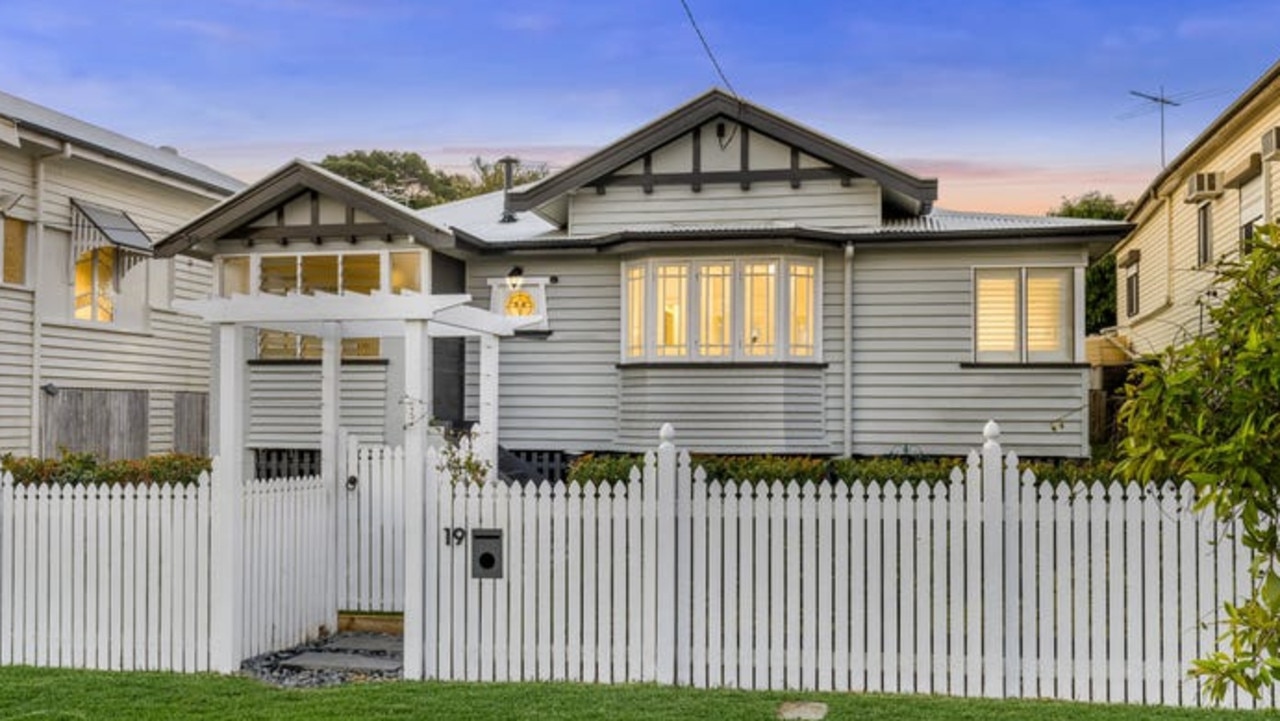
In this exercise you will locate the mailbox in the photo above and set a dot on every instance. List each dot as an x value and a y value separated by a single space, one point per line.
486 553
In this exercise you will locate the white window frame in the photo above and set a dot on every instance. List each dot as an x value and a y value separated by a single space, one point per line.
1204 234
782 351
1073 326
1133 289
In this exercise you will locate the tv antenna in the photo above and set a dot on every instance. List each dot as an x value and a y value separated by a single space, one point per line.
1159 101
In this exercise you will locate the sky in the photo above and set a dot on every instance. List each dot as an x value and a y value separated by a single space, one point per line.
1011 105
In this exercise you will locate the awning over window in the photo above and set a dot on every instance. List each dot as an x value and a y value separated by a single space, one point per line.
93 227
104 225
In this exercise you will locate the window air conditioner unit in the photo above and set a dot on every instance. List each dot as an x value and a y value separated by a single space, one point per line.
1271 144
1204 186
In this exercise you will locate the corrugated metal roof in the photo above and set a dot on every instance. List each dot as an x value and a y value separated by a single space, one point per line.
65 127
479 218
951 221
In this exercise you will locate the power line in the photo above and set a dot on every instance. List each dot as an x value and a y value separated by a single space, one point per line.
707 46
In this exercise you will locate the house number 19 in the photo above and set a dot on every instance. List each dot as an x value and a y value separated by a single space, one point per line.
455 536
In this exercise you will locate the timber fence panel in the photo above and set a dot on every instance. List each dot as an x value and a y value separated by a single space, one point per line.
989 583
103 576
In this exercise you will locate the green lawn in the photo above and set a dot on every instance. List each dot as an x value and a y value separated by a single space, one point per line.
27 693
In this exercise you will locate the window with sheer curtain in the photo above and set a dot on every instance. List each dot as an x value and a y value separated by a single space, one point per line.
1024 315
745 309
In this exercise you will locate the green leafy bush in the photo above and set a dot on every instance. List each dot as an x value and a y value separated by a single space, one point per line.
83 468
912 469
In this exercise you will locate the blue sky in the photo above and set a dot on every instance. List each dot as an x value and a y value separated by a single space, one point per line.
1012 105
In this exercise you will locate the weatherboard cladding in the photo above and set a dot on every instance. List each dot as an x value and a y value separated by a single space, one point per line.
16 308
284 404
912 317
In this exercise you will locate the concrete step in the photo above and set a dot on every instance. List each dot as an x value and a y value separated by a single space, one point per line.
392 645
351 662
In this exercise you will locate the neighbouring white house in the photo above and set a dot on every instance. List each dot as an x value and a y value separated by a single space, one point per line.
762 286
92 355
1202 208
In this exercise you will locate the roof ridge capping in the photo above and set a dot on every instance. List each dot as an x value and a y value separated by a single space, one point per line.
701 109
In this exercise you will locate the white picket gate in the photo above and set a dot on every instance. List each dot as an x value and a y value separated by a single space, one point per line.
992 585
106 577
370 507
286 563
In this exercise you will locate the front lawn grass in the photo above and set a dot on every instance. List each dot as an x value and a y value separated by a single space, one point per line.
28 693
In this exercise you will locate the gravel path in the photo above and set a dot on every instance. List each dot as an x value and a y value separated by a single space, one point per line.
274 668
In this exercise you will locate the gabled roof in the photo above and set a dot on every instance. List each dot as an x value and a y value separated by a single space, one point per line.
1268 80
915 193
64 127
288 182
474 222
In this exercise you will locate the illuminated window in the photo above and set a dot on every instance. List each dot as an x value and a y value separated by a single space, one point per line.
317 273
748 309
801 307
1024 315
715 311
673 316
406 272
635 311
95 294
13 260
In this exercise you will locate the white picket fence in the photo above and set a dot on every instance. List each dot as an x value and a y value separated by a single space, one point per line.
119 577
370 507
287 563
106 577
991 586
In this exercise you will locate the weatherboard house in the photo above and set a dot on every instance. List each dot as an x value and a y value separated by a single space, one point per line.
761 286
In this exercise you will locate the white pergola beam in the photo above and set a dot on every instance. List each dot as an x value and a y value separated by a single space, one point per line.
263 308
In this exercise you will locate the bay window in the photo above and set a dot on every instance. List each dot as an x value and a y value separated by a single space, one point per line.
749 309
1024 315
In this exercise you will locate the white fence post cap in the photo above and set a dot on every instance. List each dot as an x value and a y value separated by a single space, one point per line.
991 431
667 433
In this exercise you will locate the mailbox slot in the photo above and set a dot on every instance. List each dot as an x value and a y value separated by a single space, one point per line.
486 553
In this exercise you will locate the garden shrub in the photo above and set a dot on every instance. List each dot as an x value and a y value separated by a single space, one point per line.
610 468
85 468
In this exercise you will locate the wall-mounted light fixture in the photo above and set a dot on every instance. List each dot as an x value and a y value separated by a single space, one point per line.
515 278
49 389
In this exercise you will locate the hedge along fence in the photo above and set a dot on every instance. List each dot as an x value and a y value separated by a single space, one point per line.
615 468
86 468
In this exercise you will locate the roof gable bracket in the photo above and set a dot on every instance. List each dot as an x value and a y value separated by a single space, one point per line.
696 185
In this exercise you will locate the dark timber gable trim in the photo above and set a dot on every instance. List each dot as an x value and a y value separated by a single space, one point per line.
920 192
230 218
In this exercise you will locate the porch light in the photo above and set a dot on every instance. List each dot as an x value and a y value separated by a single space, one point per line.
515 278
